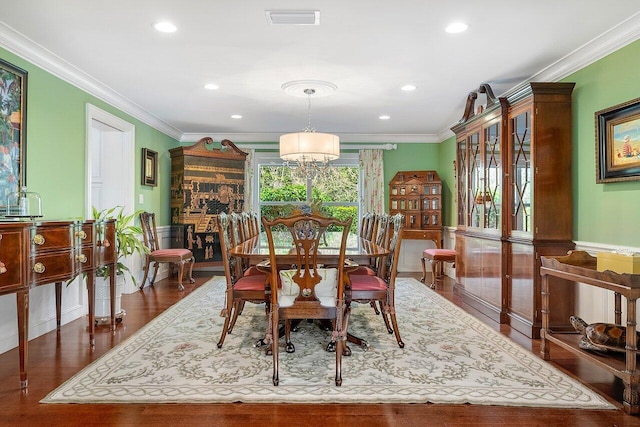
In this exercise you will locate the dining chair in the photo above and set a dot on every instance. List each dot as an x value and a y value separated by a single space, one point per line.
245 226
381 287
307 291
176 256
240 288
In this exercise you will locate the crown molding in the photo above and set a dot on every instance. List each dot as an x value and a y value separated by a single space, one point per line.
17 43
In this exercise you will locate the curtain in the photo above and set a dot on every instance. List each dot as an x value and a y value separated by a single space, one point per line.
373 183
248 180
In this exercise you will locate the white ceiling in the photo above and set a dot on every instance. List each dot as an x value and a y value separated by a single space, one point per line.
368 49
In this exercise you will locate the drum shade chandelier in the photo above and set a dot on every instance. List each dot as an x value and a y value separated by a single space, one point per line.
308 152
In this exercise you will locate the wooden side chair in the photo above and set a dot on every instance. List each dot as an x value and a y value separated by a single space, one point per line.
381 287
177 256
308 291
240 288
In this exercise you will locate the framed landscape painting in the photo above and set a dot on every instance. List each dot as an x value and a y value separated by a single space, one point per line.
13 130
618 142
149 167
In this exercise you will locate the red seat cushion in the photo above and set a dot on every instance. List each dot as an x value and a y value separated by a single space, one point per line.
178 252
251 283
448 255
364 282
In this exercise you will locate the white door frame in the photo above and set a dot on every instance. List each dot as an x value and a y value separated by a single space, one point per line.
128 131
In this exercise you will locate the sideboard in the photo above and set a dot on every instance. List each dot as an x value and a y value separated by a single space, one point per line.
35 253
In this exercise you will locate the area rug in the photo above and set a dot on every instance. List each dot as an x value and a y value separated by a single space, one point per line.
449 357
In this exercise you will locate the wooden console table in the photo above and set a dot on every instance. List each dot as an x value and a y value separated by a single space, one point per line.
579 266
34 253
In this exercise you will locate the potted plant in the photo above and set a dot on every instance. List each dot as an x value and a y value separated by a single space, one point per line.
127 243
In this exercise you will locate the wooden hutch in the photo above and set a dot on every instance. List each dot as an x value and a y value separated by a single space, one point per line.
204 182
514 197
418 195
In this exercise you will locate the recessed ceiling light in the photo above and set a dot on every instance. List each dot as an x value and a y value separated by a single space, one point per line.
236 116
456 27
408 88
165 27
211 86
384 117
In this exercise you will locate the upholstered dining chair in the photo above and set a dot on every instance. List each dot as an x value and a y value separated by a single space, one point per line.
307 291
176 256
240 288
381 287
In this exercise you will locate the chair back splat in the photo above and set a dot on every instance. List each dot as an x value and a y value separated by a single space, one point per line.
176 257
308 291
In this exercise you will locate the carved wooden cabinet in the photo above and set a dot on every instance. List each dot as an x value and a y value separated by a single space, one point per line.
514 196
204 182
418 196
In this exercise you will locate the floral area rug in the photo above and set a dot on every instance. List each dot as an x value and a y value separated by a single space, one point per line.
449 357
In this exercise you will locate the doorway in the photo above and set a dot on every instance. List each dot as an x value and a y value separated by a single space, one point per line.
110 160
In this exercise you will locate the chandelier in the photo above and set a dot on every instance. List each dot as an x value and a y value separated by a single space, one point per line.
309 153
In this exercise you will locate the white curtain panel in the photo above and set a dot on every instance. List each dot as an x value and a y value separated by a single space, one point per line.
371 164
248 180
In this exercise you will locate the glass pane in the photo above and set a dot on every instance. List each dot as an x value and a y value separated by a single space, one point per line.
476 177
493 183
521 174
278 184
461 166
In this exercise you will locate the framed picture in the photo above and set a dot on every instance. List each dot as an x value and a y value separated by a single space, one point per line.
13 130
618 142
149 167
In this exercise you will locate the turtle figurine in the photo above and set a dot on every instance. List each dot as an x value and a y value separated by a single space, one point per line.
601 337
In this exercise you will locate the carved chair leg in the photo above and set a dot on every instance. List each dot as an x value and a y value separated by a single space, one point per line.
180 272
237 309
155 272
191 263
146 274
225 328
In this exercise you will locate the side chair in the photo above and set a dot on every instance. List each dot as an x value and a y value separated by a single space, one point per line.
240 288
176 256
307 291
381 287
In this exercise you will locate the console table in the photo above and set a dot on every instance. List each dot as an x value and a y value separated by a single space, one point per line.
34 253
579 266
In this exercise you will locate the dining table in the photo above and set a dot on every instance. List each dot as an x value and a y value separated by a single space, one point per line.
359 251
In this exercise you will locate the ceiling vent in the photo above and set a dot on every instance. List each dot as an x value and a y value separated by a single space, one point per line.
293 17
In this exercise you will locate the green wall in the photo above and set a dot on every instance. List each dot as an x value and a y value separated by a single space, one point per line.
56 117
603 213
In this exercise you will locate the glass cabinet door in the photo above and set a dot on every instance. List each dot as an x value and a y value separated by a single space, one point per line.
461 181
493 181
521 174
476 178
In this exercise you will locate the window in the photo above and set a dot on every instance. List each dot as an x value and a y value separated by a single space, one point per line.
278 190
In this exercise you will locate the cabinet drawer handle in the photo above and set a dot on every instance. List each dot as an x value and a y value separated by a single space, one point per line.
3 268
38 239
38 267
81 234
82 258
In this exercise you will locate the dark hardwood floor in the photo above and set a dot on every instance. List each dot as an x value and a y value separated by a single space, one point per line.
54 358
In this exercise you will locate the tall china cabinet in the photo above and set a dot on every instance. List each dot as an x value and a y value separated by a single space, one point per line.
514 197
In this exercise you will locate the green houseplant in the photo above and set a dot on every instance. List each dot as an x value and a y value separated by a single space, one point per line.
127 241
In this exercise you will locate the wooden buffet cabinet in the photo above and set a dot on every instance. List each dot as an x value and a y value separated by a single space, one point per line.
418 196
204 182
514 197
34 253
580 267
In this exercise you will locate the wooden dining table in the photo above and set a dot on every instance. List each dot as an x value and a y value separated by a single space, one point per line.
359 251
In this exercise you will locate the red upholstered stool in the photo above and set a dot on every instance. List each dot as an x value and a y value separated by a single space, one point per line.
437 257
